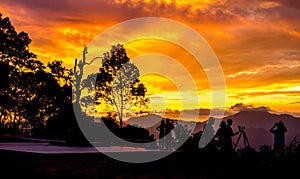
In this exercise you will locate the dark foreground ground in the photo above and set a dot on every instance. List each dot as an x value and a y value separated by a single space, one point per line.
189 164
176 165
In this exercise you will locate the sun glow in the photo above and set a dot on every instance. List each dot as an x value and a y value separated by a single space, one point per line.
257 43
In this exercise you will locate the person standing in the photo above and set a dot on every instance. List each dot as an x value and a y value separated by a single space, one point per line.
229 134
221 136
279 131
224 135
161 128
169 138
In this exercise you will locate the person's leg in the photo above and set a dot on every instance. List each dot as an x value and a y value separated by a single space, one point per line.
276 149
281 149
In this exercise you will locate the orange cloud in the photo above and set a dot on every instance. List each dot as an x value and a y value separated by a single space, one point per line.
257 42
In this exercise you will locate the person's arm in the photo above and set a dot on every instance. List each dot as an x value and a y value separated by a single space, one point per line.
272 128
236 133
232 133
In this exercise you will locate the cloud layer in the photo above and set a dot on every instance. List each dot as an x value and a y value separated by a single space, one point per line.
257 42
245 107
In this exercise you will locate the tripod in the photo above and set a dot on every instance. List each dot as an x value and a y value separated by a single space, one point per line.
242 134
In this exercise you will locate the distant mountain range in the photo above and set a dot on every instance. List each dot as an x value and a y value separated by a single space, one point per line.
257 125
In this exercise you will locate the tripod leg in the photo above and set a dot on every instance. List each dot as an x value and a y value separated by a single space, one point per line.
237 141
246 139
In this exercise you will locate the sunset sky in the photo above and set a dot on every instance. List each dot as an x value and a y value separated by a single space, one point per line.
257 42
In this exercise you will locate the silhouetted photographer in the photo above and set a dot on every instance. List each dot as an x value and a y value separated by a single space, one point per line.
224 135
279 131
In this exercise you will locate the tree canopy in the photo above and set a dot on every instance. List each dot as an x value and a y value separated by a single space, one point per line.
38 96
31 93
117 85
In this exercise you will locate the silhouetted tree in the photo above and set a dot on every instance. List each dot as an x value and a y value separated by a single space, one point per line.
29 94
4 85
117 85
15 47
78 83
62 119
139 103
61 73
17 61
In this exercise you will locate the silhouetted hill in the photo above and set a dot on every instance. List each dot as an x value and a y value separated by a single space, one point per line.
145 121
258 124
151 121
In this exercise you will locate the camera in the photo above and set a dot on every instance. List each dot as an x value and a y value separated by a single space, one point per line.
241 128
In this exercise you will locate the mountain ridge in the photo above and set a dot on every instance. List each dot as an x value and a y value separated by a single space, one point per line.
257 125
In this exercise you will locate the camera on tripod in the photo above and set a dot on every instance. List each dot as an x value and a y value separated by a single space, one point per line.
242 134
241 128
